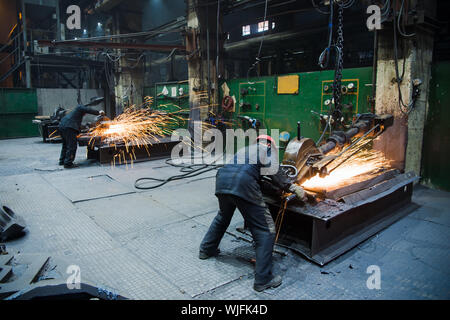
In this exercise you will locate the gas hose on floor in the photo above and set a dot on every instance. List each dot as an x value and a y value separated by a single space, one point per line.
190 171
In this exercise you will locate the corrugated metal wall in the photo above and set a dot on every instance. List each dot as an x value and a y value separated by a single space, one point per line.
51 98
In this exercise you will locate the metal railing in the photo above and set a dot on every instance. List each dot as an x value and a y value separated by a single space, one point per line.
16 43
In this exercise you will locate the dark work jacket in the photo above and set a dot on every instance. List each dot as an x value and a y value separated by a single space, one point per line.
74 118
241 177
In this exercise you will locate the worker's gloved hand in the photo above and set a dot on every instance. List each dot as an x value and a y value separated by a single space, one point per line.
102 113
298 191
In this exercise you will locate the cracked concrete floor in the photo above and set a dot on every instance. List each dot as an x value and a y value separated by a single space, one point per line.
144 244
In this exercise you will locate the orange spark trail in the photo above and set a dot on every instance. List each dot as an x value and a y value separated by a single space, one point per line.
362 166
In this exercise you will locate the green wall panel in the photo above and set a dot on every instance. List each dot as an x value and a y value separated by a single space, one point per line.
18 107
282 111
436 147
168 97
150 92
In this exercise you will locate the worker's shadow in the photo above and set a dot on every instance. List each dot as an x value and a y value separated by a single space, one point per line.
242 256
239 257
88 163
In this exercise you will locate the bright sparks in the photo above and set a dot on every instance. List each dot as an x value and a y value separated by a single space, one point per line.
135 128
139 127
360 167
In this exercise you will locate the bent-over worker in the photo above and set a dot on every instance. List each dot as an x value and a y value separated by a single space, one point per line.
238 186
69 128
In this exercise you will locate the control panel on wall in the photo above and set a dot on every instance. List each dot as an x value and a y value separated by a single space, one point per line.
251 104
349 99
176 94
252 97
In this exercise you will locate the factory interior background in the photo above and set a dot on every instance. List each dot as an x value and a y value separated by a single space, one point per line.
354 93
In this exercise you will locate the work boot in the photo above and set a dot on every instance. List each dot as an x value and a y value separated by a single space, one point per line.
70 166
275 282
203 255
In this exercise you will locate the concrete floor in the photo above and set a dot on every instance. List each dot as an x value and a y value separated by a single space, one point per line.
144 244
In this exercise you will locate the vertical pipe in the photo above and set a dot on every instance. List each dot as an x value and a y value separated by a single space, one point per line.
18 52
208 54
58 25
58 21
217 39
25 46
24 24
374 68
209 65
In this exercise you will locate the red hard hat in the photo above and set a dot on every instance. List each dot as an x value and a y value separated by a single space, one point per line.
268 138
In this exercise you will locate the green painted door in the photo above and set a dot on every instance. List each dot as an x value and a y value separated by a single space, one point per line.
436 144
18 107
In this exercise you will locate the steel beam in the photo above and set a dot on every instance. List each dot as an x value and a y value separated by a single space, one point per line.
108 5
114 45
160 147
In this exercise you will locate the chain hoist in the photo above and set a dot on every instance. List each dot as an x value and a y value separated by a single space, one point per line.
339 46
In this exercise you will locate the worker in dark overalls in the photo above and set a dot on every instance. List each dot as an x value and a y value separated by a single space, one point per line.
238 186
69 128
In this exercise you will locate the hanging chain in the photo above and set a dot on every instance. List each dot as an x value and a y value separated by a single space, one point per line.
339 45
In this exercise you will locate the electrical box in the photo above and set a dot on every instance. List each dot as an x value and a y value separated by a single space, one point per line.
349 97
288 84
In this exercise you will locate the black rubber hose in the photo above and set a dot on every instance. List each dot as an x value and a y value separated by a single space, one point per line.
189 172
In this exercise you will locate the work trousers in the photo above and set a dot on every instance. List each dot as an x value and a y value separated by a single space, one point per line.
260 223
69 145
